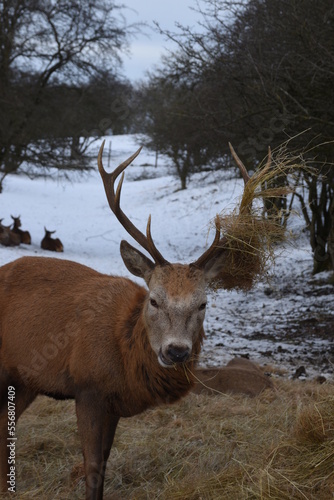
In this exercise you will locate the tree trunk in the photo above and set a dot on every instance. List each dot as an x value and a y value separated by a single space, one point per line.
75 148
321 229
331 234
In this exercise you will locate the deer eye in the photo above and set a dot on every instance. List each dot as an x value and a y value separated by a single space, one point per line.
154 303
202 306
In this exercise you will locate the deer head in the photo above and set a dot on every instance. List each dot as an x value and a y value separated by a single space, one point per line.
177 297
17 221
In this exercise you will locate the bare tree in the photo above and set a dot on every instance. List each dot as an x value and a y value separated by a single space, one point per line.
44 43
170 119
261 72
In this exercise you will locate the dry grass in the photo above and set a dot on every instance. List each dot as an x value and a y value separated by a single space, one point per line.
248 236
279 445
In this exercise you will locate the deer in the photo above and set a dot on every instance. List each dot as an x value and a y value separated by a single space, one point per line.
24 235
4 235
52 244
239 376
7 237
117 348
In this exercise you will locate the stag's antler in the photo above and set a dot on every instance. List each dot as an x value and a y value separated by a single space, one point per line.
241 166
211 251
145 241
220 245
250 182
114 203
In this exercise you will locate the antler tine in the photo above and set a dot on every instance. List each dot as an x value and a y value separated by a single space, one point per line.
114 202
209 253
241 166
113 175
154 252
268 164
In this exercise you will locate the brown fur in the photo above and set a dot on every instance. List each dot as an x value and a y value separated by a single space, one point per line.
116 348
7 237
23 235
68 331
51 244
239 376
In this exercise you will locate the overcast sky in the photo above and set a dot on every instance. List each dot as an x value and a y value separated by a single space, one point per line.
146 50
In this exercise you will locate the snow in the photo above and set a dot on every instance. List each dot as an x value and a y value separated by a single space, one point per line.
285 322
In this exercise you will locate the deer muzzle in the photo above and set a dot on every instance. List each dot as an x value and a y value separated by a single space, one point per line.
174 354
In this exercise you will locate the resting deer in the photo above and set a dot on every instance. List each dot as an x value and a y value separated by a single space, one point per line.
52 244
117 348
4 235
23 235
7 237
239 376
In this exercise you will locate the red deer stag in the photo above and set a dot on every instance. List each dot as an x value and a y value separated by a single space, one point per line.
117 348
52 244
7 237
24 235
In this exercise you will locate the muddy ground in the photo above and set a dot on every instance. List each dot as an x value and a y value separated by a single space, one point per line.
287 324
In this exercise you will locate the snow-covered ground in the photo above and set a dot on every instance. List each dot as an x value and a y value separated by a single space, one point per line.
286 322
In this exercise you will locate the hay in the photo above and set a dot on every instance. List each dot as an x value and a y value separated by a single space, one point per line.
279 445
248 237
303 465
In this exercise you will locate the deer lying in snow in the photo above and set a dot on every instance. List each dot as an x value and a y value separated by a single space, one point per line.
239 376
117 348
23 235
7 237
52 244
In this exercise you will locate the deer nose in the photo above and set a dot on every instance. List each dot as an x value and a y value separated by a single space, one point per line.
178 354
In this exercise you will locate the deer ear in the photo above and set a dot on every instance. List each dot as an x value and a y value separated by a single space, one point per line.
136 262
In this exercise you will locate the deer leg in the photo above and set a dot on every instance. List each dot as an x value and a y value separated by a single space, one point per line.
10 408
109 429
97 430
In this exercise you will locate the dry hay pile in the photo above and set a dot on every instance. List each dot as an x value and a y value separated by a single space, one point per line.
279 445
248 237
